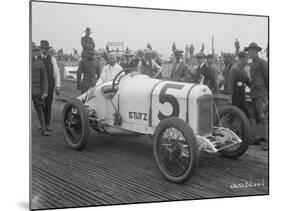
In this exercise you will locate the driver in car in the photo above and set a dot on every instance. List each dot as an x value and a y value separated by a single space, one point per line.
148 66
110 70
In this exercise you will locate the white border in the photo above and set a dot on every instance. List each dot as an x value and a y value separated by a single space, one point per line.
15 103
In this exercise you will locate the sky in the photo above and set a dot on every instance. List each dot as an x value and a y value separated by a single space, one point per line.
63 25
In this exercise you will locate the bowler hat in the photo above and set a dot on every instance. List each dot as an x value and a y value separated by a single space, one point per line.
88 29
253 45
44 44
178 51
200 55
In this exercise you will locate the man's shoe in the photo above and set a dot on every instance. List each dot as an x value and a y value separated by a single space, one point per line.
45 133
48 128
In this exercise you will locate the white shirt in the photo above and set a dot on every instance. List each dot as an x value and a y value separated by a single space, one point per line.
108 73
56 70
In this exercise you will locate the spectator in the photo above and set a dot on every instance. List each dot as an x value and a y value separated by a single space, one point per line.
110 70
227 59
210 64
53 76
87 42
39 87
148 67
259 88
155 57
237 82
129 62
204 71
180 71
90 68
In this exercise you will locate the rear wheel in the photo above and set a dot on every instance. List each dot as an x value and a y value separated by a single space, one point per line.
175 150
75 123
233 118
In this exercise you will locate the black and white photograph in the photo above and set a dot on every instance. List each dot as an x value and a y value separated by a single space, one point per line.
134 105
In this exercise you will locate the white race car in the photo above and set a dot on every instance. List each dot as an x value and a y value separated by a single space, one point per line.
181 118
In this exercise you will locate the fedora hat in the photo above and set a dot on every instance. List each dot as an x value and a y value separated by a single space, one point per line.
253 45
88 29
44 44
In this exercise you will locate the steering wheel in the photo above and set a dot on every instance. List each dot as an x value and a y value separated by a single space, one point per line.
114 82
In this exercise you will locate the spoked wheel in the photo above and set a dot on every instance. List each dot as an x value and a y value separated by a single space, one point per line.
234 119
175 150
75 124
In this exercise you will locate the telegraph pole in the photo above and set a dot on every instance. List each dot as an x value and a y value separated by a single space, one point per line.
213 49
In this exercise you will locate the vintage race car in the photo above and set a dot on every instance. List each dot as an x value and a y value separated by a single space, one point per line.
181 118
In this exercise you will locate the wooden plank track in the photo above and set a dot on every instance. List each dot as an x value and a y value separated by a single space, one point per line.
116 170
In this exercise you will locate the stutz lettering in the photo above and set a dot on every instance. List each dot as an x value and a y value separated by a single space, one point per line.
138 115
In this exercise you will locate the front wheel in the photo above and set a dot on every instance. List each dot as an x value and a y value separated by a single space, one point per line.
233 118
175 150
75 123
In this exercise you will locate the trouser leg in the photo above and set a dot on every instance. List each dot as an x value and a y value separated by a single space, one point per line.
48 106
40 114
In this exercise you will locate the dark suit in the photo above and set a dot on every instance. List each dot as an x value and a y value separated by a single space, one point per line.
237 79
180 72
209 77
91 70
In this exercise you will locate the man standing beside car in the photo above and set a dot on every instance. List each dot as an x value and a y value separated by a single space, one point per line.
53 76
259 88
39 87
110 70
237 81
180 71
204 71
90 68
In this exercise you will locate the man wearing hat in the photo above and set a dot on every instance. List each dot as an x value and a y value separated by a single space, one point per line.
53 79
148 67
180 71
87 42
110 70
155 57
204 71
90 68
237 82
39 87
259 87
128 62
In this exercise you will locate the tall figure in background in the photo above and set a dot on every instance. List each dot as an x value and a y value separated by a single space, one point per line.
53 79
87 42
237 46
259 87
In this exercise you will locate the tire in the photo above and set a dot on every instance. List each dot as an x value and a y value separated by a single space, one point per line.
244 134
159 150
75 123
